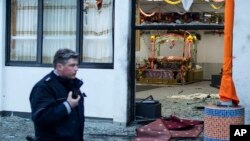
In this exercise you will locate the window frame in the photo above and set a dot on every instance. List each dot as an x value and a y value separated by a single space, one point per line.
132 53
79 39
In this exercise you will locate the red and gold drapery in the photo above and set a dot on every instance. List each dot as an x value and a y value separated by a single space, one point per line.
227 90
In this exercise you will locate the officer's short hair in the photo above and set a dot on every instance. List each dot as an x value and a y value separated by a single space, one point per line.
63 55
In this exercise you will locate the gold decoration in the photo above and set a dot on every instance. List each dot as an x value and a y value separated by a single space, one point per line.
191 38
152 38
217 7
172 2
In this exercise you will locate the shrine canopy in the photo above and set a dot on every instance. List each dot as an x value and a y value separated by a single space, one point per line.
185 37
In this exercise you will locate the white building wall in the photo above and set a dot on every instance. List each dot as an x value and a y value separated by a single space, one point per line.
99 86
210 48
241 53
120 82
106 89
210 54
2 50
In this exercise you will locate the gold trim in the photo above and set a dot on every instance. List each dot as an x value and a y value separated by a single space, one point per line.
217 7
172 2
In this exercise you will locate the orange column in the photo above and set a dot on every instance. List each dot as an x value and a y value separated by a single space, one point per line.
227 90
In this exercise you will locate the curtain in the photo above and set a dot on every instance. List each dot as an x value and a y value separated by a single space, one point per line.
23 33
97 31
59 27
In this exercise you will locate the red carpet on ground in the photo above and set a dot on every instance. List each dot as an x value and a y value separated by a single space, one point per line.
166 129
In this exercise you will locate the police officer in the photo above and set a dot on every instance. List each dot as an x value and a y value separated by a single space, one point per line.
57 103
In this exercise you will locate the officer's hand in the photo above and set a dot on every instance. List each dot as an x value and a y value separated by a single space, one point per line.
73 102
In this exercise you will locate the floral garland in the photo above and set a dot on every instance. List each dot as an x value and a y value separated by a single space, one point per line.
145 14
212 5
217 7
172 2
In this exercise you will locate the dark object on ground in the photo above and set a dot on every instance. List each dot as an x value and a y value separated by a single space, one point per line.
148 108
30 138
199 107
216 80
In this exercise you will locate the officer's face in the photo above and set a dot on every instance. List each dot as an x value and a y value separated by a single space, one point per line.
69 69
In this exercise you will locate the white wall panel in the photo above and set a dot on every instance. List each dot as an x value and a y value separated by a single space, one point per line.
2 49
241 53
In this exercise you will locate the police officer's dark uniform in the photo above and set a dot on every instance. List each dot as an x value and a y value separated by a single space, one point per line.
51 119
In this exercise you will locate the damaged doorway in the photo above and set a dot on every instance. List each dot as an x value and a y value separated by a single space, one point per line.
163 34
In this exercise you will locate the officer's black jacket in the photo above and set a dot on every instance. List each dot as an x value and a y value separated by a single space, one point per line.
51 119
